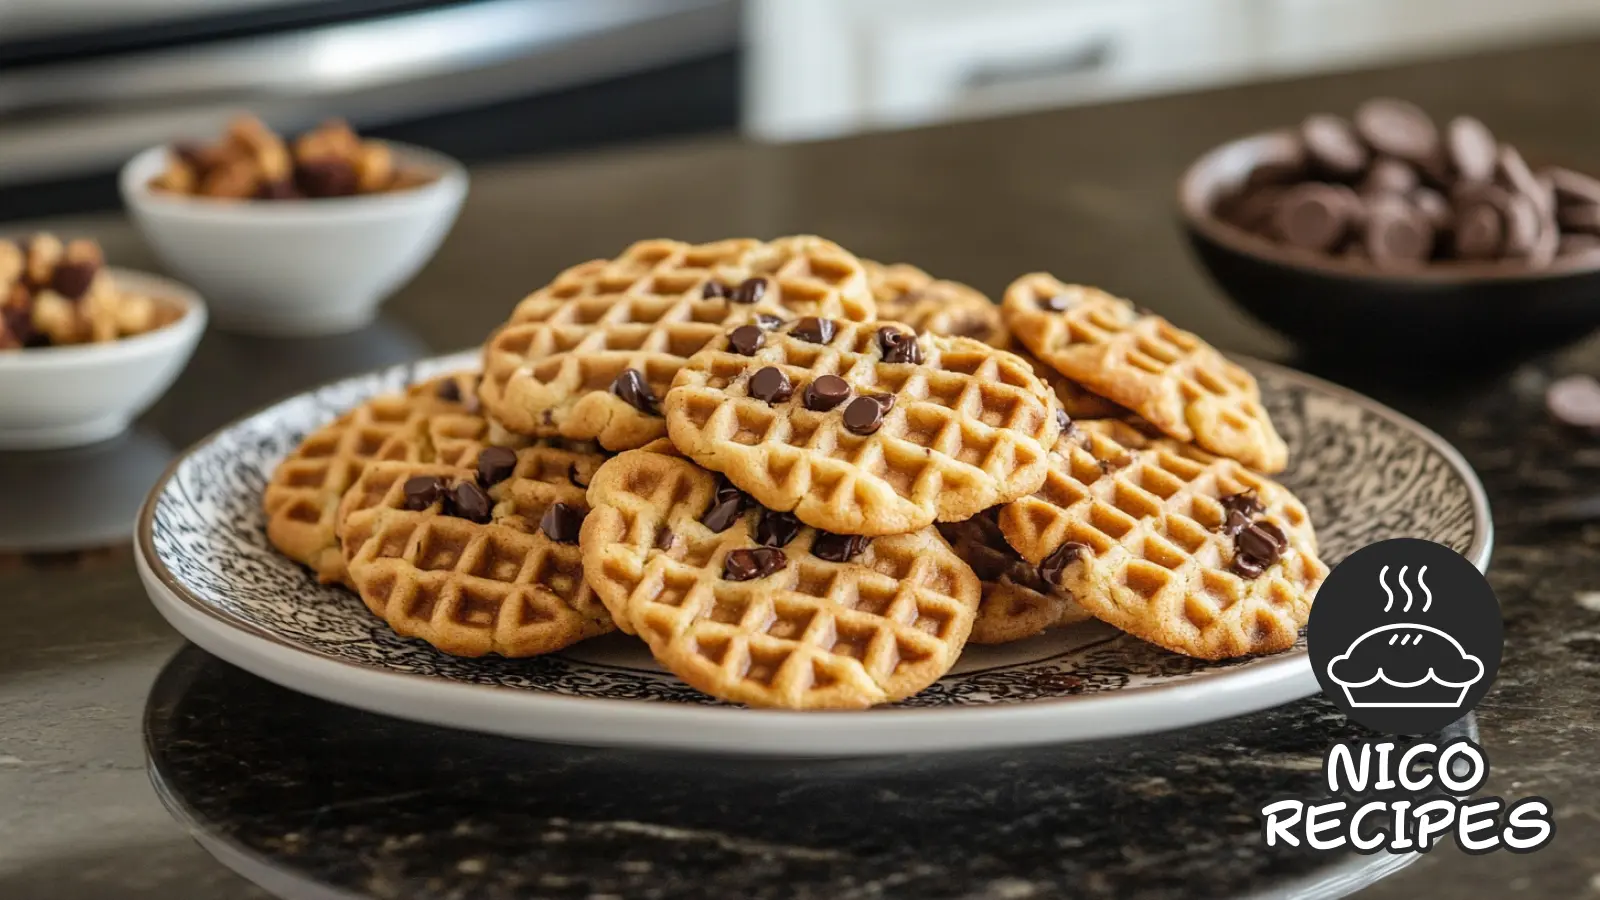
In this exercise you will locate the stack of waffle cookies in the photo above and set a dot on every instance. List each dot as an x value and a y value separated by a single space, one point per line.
808 481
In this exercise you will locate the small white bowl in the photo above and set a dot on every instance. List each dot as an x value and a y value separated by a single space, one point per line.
297 267
67 396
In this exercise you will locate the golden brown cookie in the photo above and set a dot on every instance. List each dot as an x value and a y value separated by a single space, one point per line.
934 306
477 558
751 606
1017 602
435 421
1077 400
1187 550
1172 378
591 355
864 428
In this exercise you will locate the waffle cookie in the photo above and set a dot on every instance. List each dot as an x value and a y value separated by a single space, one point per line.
1077 400
1172 378
476 559
864 428
750 606
1017 602
590 355
933 306
1169 543
435 421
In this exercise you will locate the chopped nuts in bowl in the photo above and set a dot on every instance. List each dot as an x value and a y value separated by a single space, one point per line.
292 238
251 162
53 294
84 348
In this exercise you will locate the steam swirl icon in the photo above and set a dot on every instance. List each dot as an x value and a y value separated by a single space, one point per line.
1405 664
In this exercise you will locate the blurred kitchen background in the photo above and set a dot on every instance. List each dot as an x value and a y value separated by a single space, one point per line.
86 83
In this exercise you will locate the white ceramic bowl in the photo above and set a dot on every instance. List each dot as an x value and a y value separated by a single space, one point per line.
305 267
66 396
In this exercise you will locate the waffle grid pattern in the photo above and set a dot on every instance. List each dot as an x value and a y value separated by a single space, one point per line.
1172 378
1157 565
969 429
302 499
472 589
548 370
905 293
815 634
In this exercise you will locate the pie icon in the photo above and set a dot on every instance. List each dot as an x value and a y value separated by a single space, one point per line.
1405 665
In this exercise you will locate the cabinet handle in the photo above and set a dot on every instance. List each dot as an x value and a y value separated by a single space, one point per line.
1089 56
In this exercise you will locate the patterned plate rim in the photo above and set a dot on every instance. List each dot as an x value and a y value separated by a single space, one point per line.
1272 681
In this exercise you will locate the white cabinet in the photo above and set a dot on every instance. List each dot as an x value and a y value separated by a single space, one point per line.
826 67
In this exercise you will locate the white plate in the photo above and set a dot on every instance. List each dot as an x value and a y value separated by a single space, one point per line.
1365 472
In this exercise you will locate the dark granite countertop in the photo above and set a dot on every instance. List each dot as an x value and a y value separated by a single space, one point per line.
1085 193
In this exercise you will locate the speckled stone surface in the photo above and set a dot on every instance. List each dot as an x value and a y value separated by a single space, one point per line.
383 808
1084 192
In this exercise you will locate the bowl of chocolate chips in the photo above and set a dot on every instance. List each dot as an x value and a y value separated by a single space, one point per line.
296 236
1391 235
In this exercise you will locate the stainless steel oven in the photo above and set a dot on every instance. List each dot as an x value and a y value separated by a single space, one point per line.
85 83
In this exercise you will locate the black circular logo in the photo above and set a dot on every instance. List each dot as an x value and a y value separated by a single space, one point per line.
1405 636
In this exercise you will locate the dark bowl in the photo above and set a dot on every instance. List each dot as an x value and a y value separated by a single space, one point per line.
1480 312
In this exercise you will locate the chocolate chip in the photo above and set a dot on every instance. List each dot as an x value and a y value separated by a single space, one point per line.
1479 232
863 416
1055 565
573 476
1056 303
1234 523
448 389
468 501
1244 502
72 279
495 464
1433 206
746 340
325 178
1252 542
1523 225
768 323
838 547
814 330
715 289
826 392
1513 171
1247 566
635 391
1574 401
1396 234
282 189
725 489
421 491
776 529
884 401
1471 147
665 539
1275 534
1574 187
770 384
750 290
1332 145
1314 216
561 523
744 565
1398 128
722 514
899 346
1389 176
